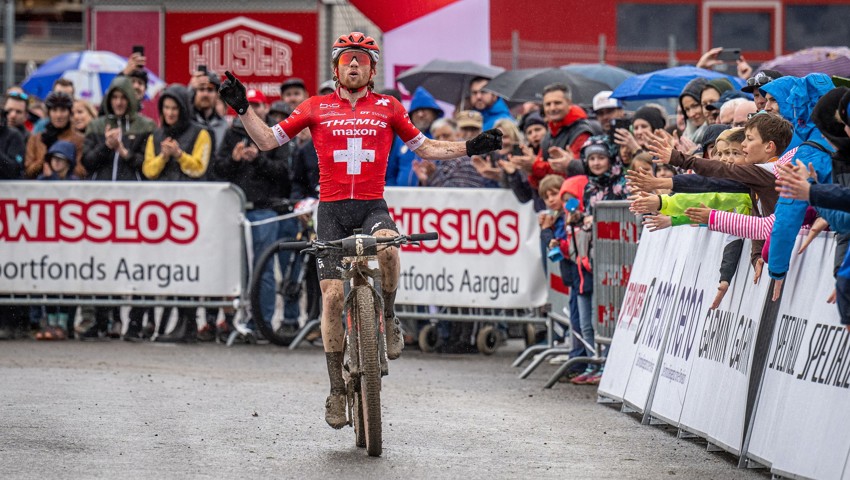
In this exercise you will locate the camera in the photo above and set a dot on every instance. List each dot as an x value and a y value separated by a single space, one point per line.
140 49
202 69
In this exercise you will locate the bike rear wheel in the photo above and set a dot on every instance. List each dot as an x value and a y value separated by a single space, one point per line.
370 368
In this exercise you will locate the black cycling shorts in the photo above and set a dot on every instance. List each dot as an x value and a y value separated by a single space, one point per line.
336 220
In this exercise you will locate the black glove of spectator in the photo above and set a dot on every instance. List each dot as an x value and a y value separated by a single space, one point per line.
484 143
233 93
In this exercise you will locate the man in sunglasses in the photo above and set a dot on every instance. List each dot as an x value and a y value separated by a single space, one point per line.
15 110
353 130
760 79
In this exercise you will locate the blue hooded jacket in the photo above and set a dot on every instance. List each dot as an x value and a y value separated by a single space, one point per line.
494 113
796 98
400 162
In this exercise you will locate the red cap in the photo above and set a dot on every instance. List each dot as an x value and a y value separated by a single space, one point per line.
256 96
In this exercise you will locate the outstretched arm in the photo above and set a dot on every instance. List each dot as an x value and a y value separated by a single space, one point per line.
485 142
234 94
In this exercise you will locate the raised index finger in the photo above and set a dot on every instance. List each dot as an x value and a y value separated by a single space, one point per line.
230 76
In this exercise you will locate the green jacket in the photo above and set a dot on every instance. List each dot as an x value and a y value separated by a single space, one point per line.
675 205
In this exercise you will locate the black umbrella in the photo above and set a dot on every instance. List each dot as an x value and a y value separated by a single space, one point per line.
526 85
446 80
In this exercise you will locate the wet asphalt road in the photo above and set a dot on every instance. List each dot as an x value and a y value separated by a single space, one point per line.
118 410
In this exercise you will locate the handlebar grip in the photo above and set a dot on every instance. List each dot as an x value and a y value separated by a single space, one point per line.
293 245
418 237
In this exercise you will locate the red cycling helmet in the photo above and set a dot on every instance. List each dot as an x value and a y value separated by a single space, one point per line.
356 40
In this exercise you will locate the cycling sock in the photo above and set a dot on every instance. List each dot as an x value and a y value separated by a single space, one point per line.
389 303
334 360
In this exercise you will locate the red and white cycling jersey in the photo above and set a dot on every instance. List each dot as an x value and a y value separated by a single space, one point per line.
352 142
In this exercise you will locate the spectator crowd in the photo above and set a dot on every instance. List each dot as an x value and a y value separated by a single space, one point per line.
756 162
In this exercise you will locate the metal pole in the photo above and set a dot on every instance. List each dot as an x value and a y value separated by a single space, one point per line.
602 48
9 70
515 50
671 51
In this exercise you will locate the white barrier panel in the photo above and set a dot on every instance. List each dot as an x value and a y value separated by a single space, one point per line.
716 399
488 254
123 238
802 417
655 265
701 255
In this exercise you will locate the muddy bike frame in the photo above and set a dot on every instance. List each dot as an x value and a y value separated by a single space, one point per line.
363 314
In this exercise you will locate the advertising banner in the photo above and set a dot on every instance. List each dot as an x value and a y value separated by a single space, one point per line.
801 419
488 253
695 292
122 238
261 48
723 357
655 265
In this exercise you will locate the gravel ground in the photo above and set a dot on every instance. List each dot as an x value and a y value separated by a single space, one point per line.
117 410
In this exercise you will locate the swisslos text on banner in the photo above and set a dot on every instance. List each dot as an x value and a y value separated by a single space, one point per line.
124 238
488 253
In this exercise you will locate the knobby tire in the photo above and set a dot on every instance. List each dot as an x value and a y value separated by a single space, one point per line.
370 368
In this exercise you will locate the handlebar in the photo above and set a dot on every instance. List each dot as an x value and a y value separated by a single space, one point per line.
318 246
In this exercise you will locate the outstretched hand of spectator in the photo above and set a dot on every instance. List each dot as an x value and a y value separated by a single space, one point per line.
625 138
136 61
818 226
485 169
699 215
423 170
643 203
657 222
709 58
794 181
721 292
509 167
687 146
660 150
560 158
757 269
777 289
640 180
524 161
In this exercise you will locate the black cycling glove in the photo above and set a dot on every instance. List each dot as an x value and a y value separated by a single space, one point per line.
233 93
484 143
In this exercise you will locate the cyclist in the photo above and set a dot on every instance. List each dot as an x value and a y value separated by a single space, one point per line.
353 130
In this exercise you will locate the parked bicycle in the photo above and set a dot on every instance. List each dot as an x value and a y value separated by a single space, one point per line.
365 346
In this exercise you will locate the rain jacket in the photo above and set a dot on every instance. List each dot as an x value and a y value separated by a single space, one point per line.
194 141
797 97
400 162
577 243
492 114
11 154
100 161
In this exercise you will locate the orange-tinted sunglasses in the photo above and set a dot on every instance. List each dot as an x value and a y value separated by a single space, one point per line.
362 58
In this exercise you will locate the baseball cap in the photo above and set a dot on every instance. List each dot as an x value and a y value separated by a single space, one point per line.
328 86
469 119
292 82
255 96
281 107
603 100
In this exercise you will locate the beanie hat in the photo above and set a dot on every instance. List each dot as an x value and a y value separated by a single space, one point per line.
652 116
720 84
532 118
139 73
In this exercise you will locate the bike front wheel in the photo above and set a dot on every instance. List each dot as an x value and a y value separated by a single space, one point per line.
370 368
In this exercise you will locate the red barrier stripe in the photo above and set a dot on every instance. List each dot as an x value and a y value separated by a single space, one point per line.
557 285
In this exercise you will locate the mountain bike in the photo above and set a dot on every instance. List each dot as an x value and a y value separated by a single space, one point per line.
365 359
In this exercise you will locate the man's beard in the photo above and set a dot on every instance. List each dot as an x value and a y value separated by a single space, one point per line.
354 83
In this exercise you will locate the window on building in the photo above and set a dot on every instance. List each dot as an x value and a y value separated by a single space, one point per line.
642 26
744 30
816 26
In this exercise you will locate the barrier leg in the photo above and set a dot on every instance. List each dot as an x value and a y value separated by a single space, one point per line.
563 368
305 330
527 353
540 358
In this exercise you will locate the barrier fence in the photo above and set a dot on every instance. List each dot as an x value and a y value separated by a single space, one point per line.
767 381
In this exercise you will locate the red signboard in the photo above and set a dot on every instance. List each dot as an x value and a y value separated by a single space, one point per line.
262 49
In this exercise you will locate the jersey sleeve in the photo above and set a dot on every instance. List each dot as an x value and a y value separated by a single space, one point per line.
301 118
403 127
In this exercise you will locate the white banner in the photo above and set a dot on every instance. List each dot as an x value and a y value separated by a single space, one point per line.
802 419
695 292
723 357
123 238
655 265
488 254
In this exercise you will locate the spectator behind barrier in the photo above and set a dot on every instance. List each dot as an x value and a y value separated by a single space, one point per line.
58 127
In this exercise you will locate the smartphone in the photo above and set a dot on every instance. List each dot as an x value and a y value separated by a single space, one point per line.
517 150
140 49
620 123
202 69
112 121
729 54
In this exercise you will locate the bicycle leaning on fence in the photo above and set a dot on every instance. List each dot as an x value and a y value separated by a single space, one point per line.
365 344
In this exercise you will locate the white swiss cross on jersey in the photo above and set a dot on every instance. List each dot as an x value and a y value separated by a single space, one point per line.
354 156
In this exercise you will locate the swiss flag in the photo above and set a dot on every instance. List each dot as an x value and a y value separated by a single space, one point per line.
391 14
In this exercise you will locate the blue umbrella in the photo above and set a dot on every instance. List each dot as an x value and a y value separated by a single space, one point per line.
665 83
601 72
90 71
